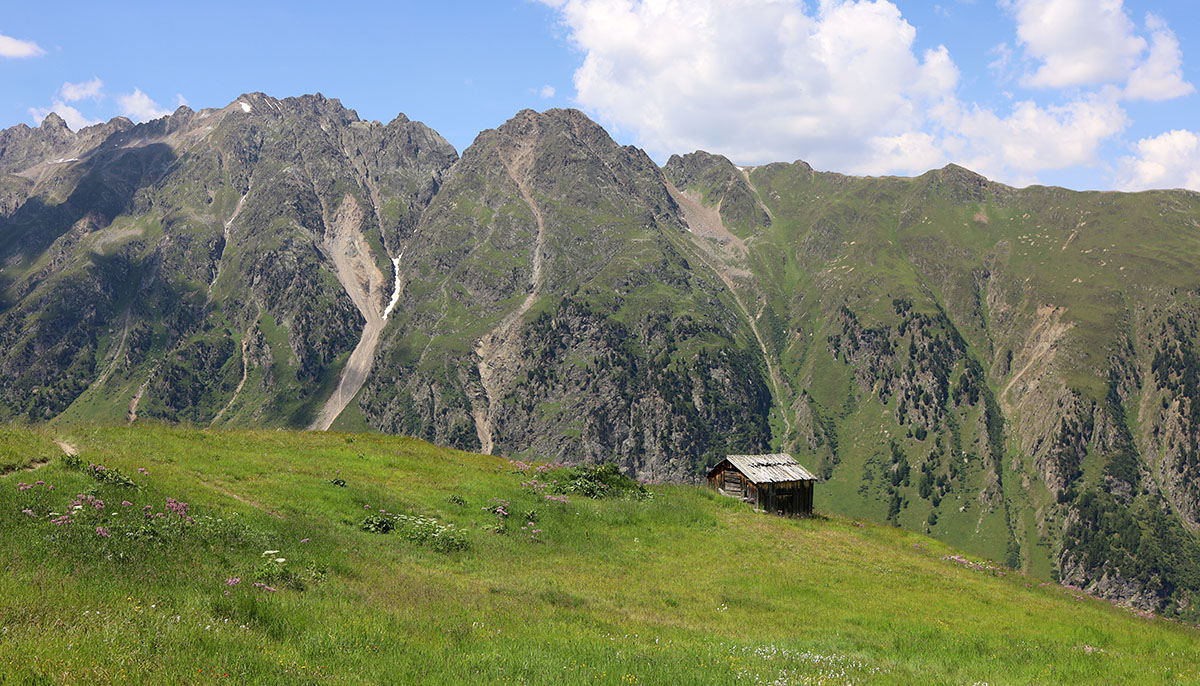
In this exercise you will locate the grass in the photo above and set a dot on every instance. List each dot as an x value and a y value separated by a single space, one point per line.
682 587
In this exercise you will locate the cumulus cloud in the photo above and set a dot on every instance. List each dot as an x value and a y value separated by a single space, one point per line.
842 87
1093 42
1033 138
546 91
16 48
755 79
1170 160
1160 77
139 107
73 117
71 92
1077 42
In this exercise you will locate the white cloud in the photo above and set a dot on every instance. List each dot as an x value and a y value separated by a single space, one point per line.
1160 77
758 80
843 88
1093 42
546 91
139 107
1078 42
1033 138
1170 160
13 47
74 118
71 92
180 101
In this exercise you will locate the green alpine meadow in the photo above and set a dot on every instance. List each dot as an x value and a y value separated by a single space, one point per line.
156 553
1011 371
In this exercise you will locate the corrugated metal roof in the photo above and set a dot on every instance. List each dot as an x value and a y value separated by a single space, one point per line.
770 468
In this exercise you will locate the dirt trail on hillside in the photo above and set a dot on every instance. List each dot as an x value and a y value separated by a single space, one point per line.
355 268
706 228
498 350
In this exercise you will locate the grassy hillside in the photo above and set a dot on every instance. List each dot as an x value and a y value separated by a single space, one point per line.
673 585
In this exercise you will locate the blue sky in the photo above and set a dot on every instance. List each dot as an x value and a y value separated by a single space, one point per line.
1090 94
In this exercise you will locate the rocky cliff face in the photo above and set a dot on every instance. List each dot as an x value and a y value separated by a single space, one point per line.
1011 370
181 269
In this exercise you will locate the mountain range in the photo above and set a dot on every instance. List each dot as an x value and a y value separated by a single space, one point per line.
1012 370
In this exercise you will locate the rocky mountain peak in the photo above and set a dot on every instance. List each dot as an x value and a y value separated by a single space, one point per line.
719 182
53 122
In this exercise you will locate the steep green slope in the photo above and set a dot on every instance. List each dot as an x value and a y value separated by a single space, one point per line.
676 586
1006 369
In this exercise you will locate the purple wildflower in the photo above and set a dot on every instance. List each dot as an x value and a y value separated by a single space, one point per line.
102 532
304 540
233 581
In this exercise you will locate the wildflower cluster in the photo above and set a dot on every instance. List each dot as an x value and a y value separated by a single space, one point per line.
418 529
532 531
443 538
977 566
89 515
273 571
33 497
179 508
795 666
112 476
536 486
499 508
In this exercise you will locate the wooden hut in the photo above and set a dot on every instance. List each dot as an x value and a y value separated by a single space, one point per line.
772 483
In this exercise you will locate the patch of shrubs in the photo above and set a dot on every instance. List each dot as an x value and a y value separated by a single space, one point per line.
106 475
598 481
378 524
